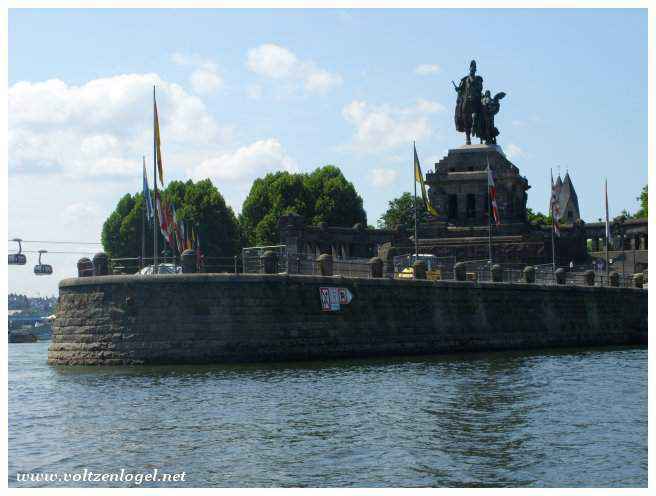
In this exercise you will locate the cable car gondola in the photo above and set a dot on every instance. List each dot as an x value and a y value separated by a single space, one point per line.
42 269
17 258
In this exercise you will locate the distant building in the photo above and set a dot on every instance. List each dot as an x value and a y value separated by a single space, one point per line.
568 202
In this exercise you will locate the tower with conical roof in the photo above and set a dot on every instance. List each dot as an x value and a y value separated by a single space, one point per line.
567 200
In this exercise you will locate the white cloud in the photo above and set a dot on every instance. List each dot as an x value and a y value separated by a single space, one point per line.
382 127
205 81
428 107
246 163
205 78
254 91
81 214
279 63
427 69
513 151
102 127
383 178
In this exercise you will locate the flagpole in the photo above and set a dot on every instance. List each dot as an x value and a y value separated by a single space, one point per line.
155 268
414 166
143 222
607 227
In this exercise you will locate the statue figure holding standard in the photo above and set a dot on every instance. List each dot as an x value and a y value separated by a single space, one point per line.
485 129
468 104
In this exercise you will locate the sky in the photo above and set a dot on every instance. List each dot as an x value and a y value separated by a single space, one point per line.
245 92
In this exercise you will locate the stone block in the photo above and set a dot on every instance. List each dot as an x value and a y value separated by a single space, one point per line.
325 262
419 269
376 267
460 271
638 280
560 275
589 277
496 271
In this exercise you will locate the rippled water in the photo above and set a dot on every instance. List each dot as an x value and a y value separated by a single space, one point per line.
553 418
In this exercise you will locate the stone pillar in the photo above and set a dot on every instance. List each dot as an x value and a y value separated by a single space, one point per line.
269 262
560 275
529 274
614 279
325 265
638 280
460 271
188 261
376 267
419 268
589 277
496 272
100 264
84 267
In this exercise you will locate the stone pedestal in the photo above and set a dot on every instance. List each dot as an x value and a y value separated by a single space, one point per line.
458 186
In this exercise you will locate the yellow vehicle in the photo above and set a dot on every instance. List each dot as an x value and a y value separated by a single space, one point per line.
433 273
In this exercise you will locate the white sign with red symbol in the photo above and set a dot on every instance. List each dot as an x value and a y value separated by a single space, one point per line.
333 298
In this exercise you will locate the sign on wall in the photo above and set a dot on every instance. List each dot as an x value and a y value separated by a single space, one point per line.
333 298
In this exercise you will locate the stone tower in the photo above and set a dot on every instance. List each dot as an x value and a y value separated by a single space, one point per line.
568 201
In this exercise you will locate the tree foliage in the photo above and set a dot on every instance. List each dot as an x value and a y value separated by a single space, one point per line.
321 196
199 204
644 204
538 218
401 211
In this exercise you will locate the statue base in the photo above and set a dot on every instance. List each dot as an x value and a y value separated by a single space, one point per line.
458 187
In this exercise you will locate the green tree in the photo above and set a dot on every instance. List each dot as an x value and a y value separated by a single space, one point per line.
644 204
401 211
199 204
538 218
321 196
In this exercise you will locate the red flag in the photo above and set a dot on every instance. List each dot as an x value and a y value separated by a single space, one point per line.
163 226
492 191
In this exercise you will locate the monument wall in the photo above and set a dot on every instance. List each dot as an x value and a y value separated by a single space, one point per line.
201 318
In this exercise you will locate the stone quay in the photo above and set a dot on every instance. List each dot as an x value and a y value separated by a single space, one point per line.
218 318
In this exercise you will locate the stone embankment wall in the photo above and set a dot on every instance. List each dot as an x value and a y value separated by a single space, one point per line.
195 318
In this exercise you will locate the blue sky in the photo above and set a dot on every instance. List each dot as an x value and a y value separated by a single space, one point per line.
244 92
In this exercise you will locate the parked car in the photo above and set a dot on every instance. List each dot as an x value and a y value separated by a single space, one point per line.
163 268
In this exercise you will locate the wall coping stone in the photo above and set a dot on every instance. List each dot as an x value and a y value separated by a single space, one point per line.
204 278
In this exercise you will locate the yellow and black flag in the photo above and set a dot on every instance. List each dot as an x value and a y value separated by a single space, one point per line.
420 179
158 149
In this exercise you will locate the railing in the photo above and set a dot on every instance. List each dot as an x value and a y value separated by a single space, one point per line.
476 270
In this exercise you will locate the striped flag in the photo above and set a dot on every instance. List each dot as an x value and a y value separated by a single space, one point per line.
554 207
163 225
177 230
146 192
158 150
420 179
492 192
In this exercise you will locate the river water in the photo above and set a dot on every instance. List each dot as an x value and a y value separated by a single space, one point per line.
548 419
